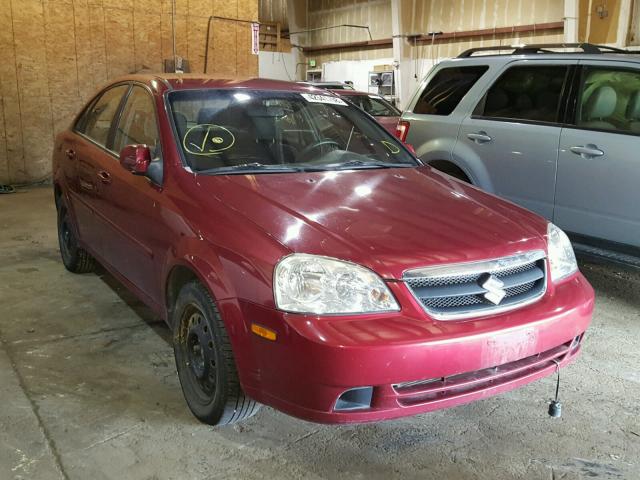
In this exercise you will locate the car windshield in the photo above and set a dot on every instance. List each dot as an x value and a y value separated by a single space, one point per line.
373 105
229 131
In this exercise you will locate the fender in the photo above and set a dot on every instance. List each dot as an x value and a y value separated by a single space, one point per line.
470 163
436 149
198 256
201 259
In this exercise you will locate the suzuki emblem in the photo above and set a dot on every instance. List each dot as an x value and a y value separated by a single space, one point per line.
494 287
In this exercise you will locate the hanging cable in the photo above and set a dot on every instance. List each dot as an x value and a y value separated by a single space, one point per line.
555 406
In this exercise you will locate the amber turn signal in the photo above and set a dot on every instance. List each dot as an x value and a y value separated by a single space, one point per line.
263 332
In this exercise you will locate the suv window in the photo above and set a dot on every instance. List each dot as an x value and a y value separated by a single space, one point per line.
609 99
447 88
100 115
137 124
526 93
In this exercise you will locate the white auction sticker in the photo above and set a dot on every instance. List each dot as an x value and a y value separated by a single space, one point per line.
315 98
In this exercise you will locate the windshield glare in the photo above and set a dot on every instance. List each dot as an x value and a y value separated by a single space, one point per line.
253 129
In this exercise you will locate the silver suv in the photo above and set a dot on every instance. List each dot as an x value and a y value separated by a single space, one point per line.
555 132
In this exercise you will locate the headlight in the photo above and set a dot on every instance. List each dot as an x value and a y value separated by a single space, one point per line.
561 256
321 285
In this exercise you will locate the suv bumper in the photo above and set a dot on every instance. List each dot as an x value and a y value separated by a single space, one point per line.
413 364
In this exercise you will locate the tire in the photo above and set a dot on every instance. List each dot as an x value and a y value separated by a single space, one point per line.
204 360
74 258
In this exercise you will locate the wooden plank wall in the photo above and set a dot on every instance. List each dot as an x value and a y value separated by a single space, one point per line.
56 53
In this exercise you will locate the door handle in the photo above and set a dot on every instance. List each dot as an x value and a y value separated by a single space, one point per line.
587 151
480 137
71 154
105 177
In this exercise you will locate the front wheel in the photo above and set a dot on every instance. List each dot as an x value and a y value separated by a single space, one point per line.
74 258
204 360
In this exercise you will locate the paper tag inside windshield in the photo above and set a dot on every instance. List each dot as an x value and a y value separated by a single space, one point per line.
315 98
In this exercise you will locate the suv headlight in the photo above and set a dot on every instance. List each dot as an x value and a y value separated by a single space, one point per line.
320 285
561 256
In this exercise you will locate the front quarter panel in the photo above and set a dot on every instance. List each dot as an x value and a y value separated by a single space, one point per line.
232 256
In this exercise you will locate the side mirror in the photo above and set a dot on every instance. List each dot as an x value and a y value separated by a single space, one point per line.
135 159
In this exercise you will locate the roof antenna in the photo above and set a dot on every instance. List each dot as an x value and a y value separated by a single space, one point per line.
555 406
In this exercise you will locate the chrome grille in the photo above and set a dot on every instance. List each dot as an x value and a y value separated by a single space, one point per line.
457 291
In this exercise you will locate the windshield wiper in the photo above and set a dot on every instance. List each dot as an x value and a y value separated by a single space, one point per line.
256 167
355 164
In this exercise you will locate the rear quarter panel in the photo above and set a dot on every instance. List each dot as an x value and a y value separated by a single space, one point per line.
434 136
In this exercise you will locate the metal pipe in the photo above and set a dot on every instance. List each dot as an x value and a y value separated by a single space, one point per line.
423 38
173 34
333 26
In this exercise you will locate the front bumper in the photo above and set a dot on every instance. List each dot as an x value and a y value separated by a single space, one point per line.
413 364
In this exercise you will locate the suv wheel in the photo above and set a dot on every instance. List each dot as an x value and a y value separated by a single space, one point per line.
204 360
74 258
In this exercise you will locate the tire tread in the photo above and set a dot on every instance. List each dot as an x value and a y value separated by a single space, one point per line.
238 406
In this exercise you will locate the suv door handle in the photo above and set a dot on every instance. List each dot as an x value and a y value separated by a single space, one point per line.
588 151
105 177
480 137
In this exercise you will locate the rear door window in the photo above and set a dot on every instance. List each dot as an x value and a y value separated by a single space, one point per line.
447 88
609 99
526 93
100 116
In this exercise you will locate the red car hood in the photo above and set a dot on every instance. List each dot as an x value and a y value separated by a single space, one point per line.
389 220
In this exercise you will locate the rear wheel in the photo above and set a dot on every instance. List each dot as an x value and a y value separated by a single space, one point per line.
74 258
204 360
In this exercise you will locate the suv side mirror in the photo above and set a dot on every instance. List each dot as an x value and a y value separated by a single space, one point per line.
135 159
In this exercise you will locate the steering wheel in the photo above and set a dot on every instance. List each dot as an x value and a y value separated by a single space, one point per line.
314 146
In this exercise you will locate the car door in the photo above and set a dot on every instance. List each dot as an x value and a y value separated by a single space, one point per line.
510 141
599 165
89 152
130 204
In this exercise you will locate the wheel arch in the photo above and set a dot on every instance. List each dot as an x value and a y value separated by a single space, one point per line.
192 268
450 168
467 160
186 270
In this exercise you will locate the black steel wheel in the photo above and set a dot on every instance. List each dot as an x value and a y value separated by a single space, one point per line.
74 258
204 360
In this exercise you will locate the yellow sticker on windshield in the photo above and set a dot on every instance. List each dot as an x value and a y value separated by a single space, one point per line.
207 139
392 148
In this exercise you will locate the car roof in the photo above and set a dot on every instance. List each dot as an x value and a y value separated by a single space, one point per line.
353 92
161 82
506 58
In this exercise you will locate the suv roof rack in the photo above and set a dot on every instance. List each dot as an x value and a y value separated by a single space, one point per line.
543 48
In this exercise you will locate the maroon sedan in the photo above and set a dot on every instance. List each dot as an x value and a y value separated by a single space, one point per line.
304 258
376 106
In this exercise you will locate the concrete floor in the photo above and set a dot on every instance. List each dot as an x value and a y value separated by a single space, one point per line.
88 390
